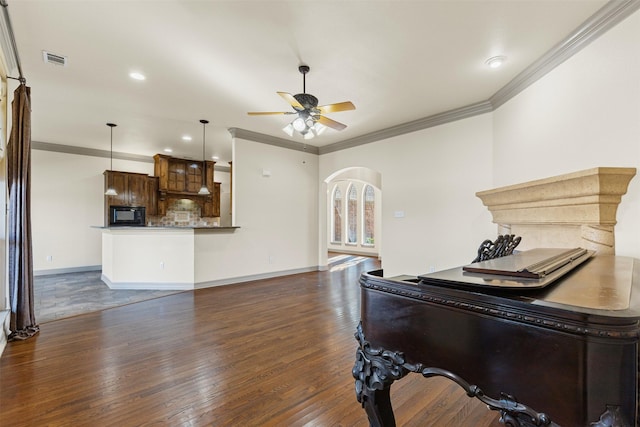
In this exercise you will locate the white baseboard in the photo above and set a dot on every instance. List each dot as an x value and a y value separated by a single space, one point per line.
241 279
170 286
67 270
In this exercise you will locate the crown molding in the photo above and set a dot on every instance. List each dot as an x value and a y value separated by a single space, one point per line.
83 151
600 22
272 140
413 126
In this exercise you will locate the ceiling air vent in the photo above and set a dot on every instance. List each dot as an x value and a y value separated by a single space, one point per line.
52 58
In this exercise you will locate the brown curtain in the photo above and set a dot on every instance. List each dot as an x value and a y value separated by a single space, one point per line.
23 322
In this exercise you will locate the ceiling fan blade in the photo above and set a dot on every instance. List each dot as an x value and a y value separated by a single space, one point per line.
266 113
334 108
291 100
330 123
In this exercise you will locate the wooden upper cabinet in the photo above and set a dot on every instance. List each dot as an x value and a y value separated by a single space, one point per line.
138 193
177 175
131 187
194 176
152 191
181 175
182 179
134 189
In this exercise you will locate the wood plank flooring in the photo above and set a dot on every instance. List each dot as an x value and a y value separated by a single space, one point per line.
275 352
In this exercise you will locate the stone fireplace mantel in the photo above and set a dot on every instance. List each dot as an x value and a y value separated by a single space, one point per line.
572 210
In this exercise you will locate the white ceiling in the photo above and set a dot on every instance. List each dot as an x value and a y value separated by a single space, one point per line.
397 61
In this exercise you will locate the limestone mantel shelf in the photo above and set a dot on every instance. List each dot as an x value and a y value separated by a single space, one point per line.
575 209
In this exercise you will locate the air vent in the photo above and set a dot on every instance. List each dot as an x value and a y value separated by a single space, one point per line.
52 58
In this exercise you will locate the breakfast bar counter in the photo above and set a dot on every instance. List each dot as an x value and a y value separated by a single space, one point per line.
166 258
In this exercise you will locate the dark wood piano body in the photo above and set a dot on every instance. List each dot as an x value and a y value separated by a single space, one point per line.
569 352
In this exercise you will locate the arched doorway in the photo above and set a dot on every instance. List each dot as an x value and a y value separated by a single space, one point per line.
351 213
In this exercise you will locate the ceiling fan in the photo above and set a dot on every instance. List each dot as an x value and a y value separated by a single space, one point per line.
310 120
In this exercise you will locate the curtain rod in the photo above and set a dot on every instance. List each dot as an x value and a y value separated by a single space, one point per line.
12 37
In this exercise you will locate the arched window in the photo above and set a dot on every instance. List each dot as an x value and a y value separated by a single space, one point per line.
352 215
337 216
368 215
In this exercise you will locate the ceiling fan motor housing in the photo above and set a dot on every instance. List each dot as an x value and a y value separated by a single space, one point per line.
306 100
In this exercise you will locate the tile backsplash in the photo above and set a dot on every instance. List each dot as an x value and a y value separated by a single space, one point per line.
183 213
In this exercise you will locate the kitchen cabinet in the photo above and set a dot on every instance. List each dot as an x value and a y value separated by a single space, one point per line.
182 179
134 189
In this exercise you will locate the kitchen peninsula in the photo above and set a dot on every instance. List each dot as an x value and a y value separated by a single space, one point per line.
160 231
177 258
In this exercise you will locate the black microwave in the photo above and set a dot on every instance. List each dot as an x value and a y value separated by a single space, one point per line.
126 215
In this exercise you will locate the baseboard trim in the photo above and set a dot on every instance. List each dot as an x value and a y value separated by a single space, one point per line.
250 278
147 286
67 270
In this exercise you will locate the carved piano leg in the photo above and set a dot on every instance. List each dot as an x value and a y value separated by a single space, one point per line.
374 371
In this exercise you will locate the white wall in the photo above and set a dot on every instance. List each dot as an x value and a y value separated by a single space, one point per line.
67 199
584 114
431 176
277 215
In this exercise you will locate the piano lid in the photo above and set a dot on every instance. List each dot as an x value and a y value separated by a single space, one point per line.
533 269
604 283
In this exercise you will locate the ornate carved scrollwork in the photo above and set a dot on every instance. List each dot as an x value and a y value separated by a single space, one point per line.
512 413
612 417
376 369
503 246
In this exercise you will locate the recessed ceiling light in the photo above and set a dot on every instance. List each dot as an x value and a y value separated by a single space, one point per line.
168 150
186 138
137 76
495 61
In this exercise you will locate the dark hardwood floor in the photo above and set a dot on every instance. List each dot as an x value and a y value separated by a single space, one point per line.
275 352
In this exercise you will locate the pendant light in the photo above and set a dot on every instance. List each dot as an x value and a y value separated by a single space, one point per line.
110 190
204 191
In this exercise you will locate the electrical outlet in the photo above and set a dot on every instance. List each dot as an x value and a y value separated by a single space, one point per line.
49 258
161 265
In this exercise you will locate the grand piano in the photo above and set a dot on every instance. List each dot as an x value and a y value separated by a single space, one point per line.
563 353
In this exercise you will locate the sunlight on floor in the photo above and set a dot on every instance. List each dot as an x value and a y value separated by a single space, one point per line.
347 264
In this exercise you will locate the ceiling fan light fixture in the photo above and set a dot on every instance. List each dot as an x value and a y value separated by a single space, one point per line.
310 122
288 129
307 111
299 124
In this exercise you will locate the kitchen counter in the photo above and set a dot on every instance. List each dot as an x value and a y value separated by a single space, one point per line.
158 227
168 258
